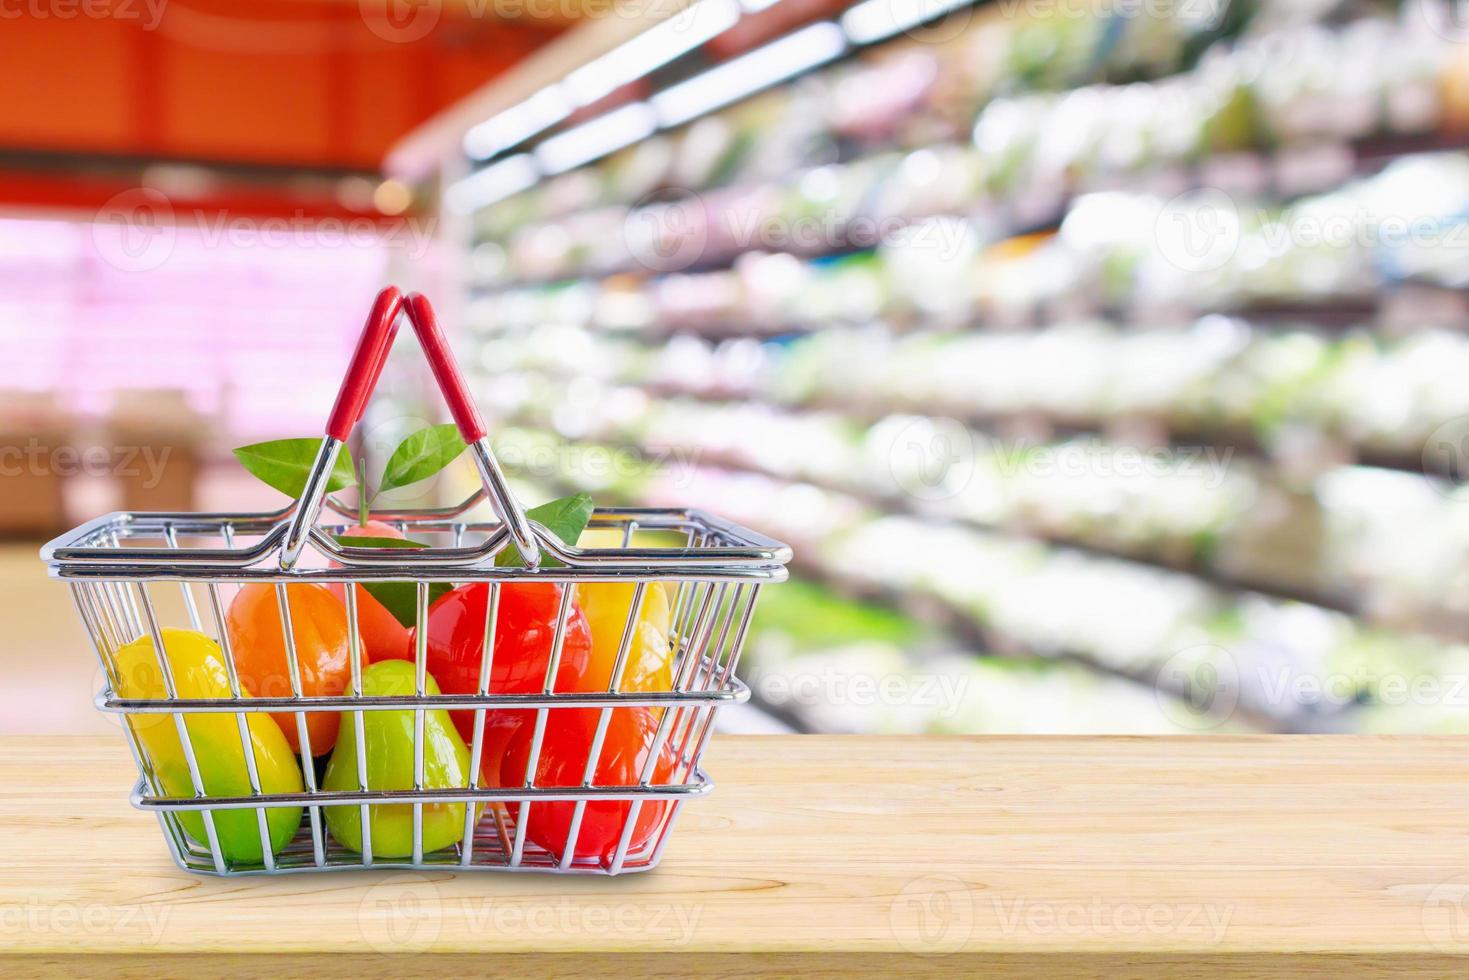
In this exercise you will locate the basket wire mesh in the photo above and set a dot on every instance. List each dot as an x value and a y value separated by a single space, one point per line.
133 576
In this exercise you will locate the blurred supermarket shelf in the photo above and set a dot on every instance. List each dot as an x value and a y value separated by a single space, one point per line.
1307 400
1185 510
707 230
803 666
918 311
998 616
1024 143
1335 260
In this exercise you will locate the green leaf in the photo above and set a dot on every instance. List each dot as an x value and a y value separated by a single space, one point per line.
398 598
364 541
422 455
565 517
286 463
401 598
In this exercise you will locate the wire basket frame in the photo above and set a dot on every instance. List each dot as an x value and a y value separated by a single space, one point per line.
134 576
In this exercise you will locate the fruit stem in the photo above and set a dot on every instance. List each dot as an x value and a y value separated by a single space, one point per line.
364 503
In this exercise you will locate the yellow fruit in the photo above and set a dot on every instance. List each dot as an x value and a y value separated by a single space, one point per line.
198 670
606 605
649 658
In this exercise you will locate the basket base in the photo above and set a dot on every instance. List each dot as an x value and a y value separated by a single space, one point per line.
491 850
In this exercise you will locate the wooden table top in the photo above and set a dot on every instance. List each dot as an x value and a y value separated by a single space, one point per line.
821 855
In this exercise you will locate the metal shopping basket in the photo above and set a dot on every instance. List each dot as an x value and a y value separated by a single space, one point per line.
123 570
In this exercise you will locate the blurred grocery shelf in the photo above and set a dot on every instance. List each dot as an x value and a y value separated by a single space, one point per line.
1102 366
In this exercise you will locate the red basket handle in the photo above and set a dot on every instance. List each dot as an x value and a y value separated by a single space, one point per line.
371 354
367 364
471 427
445 368
363 372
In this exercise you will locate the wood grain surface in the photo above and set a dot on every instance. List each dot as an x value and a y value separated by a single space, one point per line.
824 856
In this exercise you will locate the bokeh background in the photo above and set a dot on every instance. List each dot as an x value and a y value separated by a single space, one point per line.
1103 361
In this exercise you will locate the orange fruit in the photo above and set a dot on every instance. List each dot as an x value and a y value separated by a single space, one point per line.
323 653
383 637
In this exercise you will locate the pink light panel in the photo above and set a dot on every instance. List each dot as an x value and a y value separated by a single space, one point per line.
252 327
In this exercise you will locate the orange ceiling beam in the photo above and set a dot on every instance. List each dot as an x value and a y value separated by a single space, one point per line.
279 82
